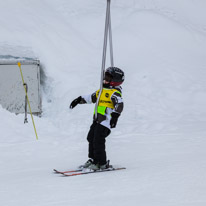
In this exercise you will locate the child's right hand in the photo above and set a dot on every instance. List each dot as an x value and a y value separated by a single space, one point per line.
75 102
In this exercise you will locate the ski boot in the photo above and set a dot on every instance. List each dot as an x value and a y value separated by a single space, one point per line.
96 167
86 164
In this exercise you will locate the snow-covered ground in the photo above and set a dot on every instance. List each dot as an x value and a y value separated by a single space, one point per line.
160 137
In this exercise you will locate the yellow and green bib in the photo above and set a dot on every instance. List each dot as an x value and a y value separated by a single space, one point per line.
105 100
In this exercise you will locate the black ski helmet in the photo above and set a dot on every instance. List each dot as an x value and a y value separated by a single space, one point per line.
114 75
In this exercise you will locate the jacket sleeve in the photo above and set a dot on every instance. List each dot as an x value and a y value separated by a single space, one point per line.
118 102
89 99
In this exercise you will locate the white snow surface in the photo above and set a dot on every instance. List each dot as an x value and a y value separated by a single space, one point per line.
160 136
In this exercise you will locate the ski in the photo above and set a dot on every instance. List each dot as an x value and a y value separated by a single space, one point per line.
69 171
82 172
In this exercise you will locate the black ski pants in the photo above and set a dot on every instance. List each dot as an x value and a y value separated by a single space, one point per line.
97 139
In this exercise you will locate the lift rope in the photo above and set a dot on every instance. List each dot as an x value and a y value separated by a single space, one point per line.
107 31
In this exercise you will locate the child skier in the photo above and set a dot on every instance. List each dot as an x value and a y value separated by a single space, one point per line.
108 111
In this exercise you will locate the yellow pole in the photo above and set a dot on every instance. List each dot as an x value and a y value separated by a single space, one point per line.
19 64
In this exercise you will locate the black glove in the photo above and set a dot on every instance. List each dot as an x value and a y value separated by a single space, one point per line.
114 119
75 102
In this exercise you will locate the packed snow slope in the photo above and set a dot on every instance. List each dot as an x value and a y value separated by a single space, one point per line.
160 137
